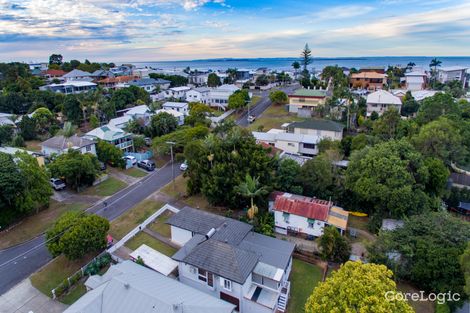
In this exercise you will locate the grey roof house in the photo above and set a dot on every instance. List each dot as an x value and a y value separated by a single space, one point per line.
129 287
318 127
61 144
227 259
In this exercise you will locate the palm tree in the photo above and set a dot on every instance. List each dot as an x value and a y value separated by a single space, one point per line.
410 65
433 65
68 130
250 188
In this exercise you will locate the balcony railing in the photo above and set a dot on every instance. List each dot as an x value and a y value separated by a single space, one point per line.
124 145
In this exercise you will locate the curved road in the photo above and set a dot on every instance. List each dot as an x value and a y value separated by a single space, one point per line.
19 262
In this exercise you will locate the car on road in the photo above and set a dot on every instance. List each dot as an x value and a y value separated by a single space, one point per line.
146 164
57 184
251 118
184 166
130 158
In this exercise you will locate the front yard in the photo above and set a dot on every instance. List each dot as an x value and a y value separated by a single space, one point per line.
144 238
274 117
135 172
36 224
106 188
304 277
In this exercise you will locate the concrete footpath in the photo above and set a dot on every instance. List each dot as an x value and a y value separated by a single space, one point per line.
24 298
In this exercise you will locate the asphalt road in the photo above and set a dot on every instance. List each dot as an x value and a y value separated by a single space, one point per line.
19 262
262 104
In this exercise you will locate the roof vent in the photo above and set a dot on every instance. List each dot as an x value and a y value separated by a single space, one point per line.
210 233
225 224
127 285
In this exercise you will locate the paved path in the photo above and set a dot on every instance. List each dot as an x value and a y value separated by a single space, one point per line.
24 298
18 262
262 104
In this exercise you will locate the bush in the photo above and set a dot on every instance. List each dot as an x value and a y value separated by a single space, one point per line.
109 153
179 157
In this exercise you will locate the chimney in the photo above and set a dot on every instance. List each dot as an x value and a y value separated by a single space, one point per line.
210 233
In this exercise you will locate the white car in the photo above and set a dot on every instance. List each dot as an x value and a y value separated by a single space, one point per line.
251 118
130 158
184 166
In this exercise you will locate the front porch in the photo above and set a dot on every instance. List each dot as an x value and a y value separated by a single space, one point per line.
271 300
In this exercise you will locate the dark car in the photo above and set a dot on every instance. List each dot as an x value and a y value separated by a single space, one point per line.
146 164
102 166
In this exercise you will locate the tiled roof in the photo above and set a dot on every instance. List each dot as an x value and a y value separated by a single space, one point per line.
303 206
54 72
118 79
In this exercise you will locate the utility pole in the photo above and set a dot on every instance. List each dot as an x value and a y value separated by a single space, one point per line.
172 143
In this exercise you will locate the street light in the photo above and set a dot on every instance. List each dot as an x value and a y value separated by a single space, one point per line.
172 143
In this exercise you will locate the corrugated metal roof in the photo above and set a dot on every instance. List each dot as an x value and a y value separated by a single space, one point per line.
308 207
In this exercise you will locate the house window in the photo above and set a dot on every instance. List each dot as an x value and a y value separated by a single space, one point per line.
88 148
301 100
309 146
202 275
290 144
311 223
227 284
286 217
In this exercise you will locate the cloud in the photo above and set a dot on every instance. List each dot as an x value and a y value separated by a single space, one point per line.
342 12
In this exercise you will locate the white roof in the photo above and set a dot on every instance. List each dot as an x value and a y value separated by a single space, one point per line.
76 83
119 121
175 104
273 137
423 94
170 111
414 79
453 68
415 73
140 109
226 87
134 288
13 150
383 97
182 88
155 260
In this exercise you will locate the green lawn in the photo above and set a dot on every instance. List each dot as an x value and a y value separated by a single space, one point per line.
178 192
304 277
135 172
74 294
143 238
33 145
36 224
107 188
51 275
133 217
159 225
274 117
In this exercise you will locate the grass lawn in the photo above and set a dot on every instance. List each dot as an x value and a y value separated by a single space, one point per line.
176 190
74 294
304 277
135 172
51 275
255 100
274 117
33 145
107 188
144 238
133 217
159 225
36 224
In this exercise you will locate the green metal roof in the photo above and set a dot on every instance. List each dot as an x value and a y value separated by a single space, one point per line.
310 93
318 124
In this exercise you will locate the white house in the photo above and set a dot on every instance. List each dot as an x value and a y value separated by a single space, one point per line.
60 144
70 87
382 100
299 215
451 73
200 94
218 96
317 127
140 113
181 107
225 258
148 84
415 80
113 135
177 92
298 144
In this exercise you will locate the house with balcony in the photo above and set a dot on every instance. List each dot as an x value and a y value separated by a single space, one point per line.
181 107
369 80
77 74
60 144
218 97
113 82
452 73
225 258
113 135
177 92
416 80
297 144
304 101
70 87
381 101
200 94
305 216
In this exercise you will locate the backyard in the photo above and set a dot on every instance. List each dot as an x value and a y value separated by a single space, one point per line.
274 117
159 225
144 238
304 277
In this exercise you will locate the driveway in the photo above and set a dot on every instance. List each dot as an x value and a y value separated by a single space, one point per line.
19 262
24 298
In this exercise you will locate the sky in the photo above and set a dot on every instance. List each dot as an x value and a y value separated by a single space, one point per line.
159 30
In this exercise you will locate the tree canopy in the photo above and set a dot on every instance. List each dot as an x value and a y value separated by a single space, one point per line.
213 80
278 97
162 123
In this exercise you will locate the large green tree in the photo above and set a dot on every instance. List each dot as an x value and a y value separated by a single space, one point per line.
333 246
72 110
426 251
357 287
162 123
238 100
12 183
278 97
317 177
110 154
436 106
287 176
213 80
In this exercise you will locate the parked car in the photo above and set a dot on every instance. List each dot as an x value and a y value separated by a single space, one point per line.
184 166
130 158
148 141
251 118
146 164
57 184
102 166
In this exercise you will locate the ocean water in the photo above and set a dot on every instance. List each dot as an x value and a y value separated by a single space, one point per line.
286 63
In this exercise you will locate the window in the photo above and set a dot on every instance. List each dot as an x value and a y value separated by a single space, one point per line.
227 284
290 144
286 217
202 275
311 223
88 148
309 146
301 100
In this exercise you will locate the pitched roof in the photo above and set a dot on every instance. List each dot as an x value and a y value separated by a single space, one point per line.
302 92
54 72
303 206
118 79
129 287
383 97
62 142
175 104
368 75
76 73
318 124
107 133
140 109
